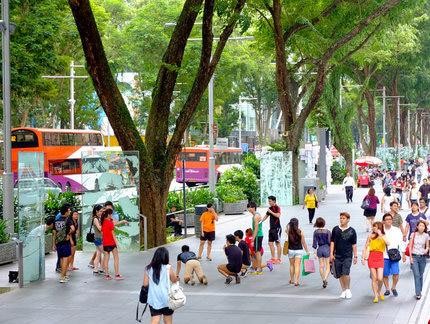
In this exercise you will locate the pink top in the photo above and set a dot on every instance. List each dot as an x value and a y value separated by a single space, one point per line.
373 201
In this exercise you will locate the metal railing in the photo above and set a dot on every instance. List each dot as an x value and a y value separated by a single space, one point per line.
145 231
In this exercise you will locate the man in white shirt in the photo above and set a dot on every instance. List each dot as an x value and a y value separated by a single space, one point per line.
348 183
391 267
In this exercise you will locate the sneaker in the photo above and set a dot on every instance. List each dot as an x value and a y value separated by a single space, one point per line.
228 280
108 277
192 282
387 293
348 294
63 280
67 278
119 277
256 273
395 293
237 279
381 297
375 300
244 272
58 270
270 265
343 294
418 297
204 280
101 272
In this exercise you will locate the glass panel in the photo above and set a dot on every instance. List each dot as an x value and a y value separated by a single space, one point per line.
112 176
278 163
31 227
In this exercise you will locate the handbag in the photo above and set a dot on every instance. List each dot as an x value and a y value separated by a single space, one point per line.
143 298
90 235
285 248
309 265
176 296
407 251
365 204
316 201
394 255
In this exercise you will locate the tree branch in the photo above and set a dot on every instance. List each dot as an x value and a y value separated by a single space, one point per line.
158 119
201 81
302 25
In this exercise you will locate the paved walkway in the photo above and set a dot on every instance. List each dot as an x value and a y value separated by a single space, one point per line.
259 299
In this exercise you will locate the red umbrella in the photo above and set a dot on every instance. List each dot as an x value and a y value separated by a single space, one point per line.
367 160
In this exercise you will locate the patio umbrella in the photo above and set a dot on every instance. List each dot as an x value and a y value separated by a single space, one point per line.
367 160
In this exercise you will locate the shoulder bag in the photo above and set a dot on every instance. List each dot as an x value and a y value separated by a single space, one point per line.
177 297
393 254
143 298
285 248
90 235
407 251
366 203
316 201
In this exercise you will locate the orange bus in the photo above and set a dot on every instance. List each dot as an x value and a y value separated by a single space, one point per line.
62 150
197 163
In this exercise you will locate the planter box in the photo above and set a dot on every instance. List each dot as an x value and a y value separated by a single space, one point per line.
235 208
190 219
7 252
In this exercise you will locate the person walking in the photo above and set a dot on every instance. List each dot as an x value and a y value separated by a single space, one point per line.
207 220
414 194
275 229
419 247
311 203
386 200
296 249
321 243
110 244
234 260
423 208
425 190
192 265
348 184
394 237
343 246
72 222
156 277
61 238
96 261
412 220
374 255
370 202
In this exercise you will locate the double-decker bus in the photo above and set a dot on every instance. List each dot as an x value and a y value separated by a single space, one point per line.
62 150
197 163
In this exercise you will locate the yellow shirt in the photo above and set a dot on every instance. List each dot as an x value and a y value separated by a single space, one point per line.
208 221
377 245
310 201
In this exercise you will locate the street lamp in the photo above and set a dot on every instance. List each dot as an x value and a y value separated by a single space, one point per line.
241 99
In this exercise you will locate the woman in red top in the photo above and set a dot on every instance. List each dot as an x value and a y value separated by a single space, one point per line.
110 244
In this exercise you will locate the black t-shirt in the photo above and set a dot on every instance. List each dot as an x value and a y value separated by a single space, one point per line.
425 190
245 253
275 222
343 241
62 230
186 256
234 257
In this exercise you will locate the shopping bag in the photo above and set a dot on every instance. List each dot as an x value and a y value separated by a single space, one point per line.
309 265
304 259
285 248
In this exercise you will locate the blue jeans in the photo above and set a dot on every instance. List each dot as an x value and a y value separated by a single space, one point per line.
418 268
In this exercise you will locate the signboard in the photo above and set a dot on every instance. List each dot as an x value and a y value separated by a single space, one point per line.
222 142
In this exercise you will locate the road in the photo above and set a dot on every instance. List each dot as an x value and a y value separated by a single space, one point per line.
258 299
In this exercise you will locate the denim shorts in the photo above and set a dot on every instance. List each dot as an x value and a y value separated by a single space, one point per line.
295 253
391 267
97 241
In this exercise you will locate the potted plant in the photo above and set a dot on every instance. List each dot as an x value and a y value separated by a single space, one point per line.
233 198
7 247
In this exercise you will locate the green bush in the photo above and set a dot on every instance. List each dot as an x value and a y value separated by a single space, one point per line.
229 193
278 146
4 235
243 179
251 162
200 196
174 199
338 172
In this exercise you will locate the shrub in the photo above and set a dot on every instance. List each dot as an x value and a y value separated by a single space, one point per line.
4 235
251 163
229 193
201 196
338 172
243 179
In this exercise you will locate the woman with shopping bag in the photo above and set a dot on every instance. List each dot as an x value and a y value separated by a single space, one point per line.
321 243
296 249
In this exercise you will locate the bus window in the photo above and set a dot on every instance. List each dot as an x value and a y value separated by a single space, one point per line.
71 166
193 156
24 138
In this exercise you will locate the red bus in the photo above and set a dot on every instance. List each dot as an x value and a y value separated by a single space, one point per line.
62 150
197 163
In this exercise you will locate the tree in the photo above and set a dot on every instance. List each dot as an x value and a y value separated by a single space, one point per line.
157 154
309 41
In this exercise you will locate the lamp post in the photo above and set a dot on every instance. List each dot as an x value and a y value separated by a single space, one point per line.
72 78
8 212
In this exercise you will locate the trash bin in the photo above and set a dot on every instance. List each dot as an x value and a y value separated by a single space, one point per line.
198 211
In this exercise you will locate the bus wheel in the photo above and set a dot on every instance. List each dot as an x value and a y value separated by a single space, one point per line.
191 184
68 186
